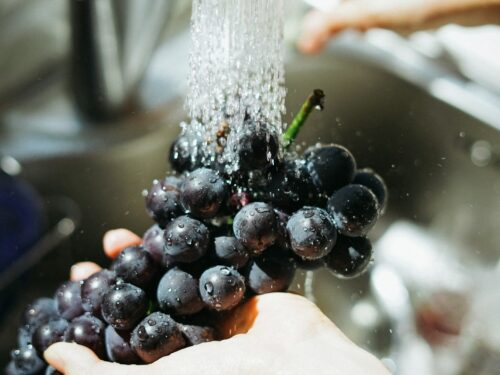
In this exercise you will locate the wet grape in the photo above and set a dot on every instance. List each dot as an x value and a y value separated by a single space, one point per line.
134 265
178 293
48 334
230 252
87 330
222 287
68 300
368 178
350 257
93 290
255 226
118 347
124 305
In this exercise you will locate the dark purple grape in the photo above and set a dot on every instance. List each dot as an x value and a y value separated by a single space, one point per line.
25 333
25 361
354 210
69 300
290 187
163 205
124 305
51 371
87 330
49 333
172 183
186 239
311 233
178 293
186 154
93 290
230 252
39 312
203 193
195 335
350 257
257 146
134 265
156 336
118 347
330 167
368 178
255 226
222 288
273 271
154 244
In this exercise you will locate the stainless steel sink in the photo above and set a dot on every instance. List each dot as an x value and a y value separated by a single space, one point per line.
435 158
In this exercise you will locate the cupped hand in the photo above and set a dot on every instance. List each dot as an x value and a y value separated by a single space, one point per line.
400 15
276 333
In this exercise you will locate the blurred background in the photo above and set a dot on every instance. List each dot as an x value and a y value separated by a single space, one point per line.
91 95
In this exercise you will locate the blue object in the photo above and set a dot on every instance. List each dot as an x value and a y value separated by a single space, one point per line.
20 218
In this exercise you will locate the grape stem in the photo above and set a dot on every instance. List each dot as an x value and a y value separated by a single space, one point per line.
314 101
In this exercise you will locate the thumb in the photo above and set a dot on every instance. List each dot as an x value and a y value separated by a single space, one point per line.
71 358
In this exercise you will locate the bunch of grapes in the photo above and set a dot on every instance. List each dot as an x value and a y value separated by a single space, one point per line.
218 240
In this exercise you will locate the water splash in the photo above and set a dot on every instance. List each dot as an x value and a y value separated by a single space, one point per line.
236 74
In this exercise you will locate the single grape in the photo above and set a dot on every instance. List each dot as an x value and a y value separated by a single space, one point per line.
163 205
186 239
118 347
134 265
203 193
195 335
69 300
273 271
124 305
25 361
178 293
172 183
39 312
354 210
182 151
156 336
94 288
230 252
350 257
87 330
222 288
49 333
255 226
154 243
257 146
368 178
330 167
311 233
290 187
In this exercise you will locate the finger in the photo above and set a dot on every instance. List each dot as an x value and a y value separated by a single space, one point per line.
116 240
82 270
316 32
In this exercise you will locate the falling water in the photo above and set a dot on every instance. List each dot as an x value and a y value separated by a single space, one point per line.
236 73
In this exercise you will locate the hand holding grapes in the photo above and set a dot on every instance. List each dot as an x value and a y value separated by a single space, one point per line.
398 15
284 333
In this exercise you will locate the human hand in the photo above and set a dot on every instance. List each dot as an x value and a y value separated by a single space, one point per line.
276 333
399 15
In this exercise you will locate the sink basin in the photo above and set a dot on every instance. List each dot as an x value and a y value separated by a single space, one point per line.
435 158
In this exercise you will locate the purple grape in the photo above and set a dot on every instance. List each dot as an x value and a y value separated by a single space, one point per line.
255 226
311 233
93 290
39 312
203 193
134 265
257 146
368 178
49 333
181 154
156 336
162 205
87 330
330 167
273 271
222 288
186 239
154 244
230 252
354 210
172 183
124 305
350 257
195 335
178 293
118 347
68 300
25 361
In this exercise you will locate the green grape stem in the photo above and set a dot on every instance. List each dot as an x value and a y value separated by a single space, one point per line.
314 101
